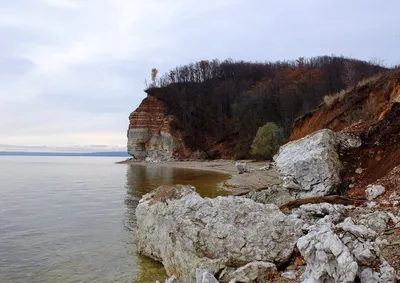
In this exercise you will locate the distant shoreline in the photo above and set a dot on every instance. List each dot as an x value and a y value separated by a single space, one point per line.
65 154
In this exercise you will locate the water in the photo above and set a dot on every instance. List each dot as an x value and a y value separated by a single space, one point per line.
72 219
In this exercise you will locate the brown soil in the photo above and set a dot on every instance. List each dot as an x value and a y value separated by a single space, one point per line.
378 156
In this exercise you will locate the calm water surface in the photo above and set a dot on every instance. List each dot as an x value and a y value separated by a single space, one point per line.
72 219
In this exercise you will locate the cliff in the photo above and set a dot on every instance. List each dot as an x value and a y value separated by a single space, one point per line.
213 109
151 135
372 111
355 109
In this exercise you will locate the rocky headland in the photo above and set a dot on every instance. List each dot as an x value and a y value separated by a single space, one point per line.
257 237
326 209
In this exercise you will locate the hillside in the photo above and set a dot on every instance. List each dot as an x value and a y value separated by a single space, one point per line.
371 110
212 109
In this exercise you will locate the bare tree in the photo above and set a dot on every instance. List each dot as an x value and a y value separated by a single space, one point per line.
349 73
154 73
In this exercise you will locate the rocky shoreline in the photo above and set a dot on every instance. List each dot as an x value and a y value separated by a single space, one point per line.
259 175
248 238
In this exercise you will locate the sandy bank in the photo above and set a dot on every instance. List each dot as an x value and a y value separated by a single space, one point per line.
255 179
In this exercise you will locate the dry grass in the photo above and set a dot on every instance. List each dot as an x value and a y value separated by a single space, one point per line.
369 80
332 99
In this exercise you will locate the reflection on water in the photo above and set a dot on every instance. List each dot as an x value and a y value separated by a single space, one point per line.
71 219
142 179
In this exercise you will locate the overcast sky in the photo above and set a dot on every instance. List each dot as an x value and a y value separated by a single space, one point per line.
71 71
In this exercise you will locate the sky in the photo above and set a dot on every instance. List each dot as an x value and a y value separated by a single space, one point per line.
71 71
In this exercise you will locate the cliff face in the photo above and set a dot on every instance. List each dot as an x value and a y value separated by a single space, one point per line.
214 109
355 109
151 135
372 111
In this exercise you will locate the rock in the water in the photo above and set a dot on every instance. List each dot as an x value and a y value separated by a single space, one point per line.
241 167
205 277
311 163
252 273
374 191
185 231
276 195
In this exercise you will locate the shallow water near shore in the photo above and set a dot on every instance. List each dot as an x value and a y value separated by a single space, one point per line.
72 219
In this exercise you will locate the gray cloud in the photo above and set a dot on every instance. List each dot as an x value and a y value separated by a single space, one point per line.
71 71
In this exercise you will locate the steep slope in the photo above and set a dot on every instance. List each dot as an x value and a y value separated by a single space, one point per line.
371 110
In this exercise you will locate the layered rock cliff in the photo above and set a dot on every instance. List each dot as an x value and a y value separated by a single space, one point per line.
151 136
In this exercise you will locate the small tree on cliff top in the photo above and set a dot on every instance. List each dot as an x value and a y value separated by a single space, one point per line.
267 141
154 73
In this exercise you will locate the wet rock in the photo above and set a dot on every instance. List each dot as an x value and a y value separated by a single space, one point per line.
185 231
310 163
373 191
252 272
276 195
241 167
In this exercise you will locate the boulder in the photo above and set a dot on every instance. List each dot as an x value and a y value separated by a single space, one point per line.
341 253
185 231
289 275
320 212
241 167
203 276
374 191
328 259
310 166
253 272
347 140
275 194
376 221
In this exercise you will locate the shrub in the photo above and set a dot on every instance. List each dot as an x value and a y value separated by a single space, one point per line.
267 141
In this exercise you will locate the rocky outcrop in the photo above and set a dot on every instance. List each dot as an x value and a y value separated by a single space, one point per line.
151 135
338 250
310 166
276 194
373 191
185 232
